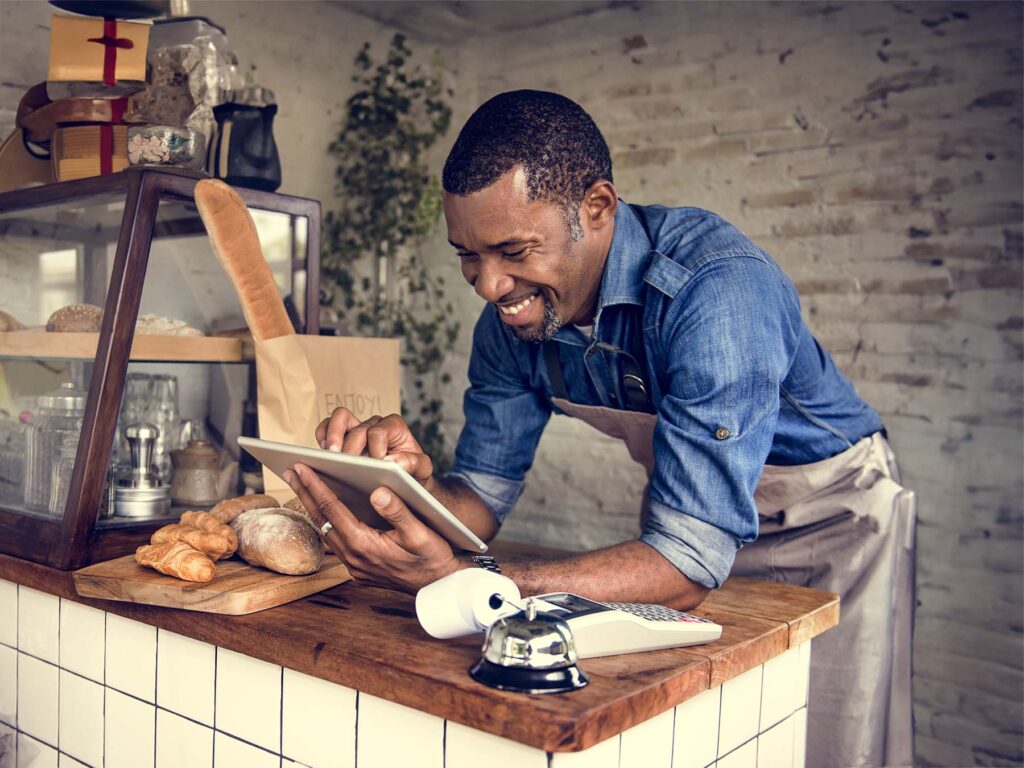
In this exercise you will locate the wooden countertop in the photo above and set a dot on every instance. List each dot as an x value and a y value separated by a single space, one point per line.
369 639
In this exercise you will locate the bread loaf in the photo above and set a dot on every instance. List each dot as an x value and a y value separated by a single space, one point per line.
202 531
178 559
76 318
9 322
237 245
282 540
227 510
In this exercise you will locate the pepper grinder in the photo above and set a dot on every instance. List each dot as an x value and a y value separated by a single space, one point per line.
140 493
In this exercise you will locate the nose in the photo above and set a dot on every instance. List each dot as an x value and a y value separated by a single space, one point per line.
489 279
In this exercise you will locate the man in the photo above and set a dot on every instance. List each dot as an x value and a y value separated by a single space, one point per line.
669 329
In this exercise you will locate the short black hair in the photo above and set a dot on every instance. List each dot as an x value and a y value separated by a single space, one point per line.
551 137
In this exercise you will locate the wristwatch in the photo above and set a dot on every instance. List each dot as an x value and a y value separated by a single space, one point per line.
487 562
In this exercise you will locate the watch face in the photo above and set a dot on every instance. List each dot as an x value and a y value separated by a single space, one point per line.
574 603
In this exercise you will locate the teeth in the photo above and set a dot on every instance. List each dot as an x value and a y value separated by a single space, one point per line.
516 309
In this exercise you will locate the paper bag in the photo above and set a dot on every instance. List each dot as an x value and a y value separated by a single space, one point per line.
300 380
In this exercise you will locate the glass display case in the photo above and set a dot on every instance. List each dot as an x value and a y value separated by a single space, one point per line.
126 371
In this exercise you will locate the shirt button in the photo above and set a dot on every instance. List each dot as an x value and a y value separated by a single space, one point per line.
722 433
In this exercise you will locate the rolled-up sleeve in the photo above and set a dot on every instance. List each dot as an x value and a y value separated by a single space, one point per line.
726 341
505 416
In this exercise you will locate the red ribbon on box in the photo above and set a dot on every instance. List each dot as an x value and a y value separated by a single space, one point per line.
117 109
111 42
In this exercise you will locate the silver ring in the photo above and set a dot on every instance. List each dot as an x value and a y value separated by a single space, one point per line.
326 528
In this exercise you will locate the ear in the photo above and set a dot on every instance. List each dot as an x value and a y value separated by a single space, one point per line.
599 204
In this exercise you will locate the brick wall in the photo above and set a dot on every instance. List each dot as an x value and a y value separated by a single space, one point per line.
875 150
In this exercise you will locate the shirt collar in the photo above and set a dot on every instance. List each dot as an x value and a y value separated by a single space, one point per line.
624 269
628 259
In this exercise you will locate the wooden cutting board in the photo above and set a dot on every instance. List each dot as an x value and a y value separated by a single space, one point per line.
237 589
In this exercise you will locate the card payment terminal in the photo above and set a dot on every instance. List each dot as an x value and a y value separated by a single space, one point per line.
605 629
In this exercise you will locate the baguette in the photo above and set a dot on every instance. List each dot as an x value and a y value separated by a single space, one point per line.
282 540
178 559
202 531
229 509
237 245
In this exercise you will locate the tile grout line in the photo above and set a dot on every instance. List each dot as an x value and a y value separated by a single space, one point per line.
216 657
105 686
156 691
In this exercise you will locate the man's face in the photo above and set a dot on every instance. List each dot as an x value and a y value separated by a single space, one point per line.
518 255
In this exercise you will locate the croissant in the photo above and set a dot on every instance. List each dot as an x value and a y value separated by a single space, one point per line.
178 559
202 531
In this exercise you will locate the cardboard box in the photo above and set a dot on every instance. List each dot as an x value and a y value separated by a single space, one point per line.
80 151
97 50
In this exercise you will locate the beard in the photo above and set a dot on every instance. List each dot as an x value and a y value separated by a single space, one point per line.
548 327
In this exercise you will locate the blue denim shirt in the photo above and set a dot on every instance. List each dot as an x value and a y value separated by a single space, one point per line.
734 375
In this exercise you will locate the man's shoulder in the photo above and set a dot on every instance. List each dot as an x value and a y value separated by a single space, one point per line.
694 237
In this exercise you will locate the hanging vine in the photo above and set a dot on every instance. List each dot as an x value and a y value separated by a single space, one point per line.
375 279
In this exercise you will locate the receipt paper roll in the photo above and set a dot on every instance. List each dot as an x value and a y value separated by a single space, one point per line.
460 603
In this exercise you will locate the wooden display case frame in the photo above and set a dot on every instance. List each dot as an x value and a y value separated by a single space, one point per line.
75 540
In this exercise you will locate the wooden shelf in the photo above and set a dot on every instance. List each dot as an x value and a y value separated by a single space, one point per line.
40 345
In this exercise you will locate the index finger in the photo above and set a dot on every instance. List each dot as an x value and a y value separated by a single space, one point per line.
323 500
330 433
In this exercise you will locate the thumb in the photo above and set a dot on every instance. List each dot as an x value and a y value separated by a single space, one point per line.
410 530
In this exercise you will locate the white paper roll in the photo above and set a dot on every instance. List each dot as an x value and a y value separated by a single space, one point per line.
460 603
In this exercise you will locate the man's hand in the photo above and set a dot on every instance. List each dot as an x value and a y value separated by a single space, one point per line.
407 557
382 437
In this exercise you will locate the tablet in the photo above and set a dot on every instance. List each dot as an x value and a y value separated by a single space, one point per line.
354 478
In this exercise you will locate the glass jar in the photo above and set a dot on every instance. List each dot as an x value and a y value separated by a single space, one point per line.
12 459
58 421
60 481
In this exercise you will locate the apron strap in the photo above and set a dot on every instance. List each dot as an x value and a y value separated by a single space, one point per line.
554 364
634 388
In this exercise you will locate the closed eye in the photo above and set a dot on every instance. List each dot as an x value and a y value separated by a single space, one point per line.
514 254
466 255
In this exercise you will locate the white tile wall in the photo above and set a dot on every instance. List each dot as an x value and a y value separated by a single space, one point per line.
464 747
421 742
131 657
649 744
780 691
741 707
37 698
696 735
8 613
81 718
804 671
266 716
8 685
8 746
312 708
800 738
181 742
35 754
129 739
604 754
775 746
38 623
232 753
82 639
186 676
743 757
249 699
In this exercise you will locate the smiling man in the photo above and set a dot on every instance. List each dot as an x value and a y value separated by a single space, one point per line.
669 329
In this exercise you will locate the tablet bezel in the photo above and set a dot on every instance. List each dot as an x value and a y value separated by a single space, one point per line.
353 478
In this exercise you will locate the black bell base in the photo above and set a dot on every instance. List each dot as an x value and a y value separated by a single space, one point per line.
528 680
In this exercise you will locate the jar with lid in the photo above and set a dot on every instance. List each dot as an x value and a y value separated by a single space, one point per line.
60 481
58 421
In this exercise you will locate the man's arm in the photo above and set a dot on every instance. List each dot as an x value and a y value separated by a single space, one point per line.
629 572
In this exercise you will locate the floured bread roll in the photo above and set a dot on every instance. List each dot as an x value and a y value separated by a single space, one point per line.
9 323
76 318
282 540
155 325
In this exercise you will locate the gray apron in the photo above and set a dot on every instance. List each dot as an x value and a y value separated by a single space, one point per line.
845 525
